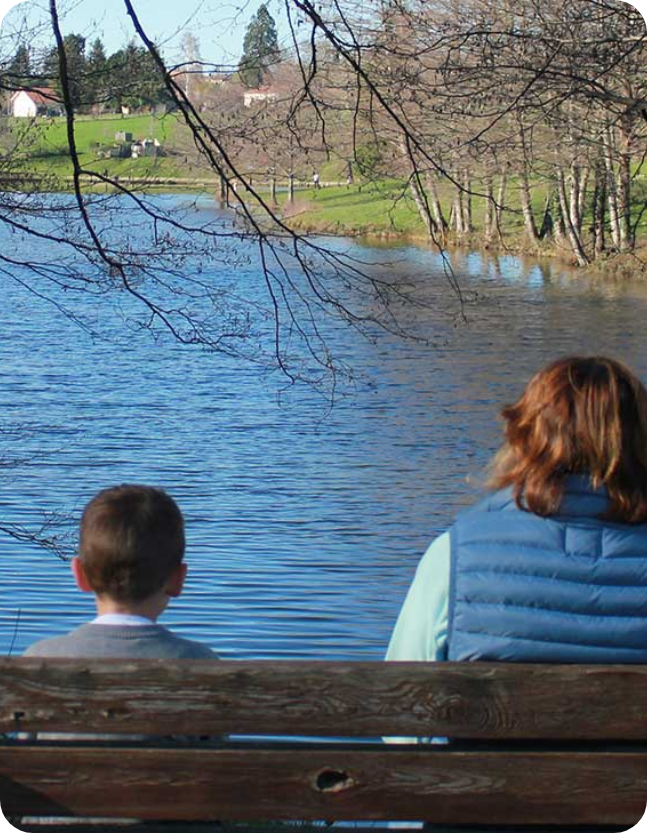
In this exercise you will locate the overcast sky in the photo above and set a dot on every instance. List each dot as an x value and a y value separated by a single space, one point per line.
219 25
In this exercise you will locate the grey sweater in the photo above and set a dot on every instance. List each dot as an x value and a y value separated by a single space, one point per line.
120 642
113 642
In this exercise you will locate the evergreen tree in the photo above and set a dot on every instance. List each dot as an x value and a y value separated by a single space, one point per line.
20 70
133 79
49 68
96 74
76 68
260 48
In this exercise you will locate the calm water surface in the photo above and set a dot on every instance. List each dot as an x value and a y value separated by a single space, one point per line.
303 532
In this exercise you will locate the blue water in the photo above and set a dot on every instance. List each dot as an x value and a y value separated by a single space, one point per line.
304 523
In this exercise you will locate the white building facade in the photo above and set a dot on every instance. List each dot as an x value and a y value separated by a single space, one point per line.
27 104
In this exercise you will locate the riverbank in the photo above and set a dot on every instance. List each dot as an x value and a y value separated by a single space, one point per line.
385 212
378 214
382 212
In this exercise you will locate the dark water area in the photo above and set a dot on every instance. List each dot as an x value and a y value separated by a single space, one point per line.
304 524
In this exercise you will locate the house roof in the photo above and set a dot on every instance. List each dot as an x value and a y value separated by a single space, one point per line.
40 95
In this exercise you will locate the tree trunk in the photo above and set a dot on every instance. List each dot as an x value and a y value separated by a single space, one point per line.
583 183
571 232
457 211
599 200
435 205
420 199
488 214
466 203
498 214
624 193
526 207
573 201
614 221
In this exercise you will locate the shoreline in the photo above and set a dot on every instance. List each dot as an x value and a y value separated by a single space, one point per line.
303 219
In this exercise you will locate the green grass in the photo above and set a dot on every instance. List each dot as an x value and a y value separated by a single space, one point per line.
371 208
42 147
387 208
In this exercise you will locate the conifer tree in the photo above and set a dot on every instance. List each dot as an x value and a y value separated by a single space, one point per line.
260 48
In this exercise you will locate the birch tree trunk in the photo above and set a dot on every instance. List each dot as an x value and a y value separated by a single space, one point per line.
466 201
526 207
422 204
571 232
624 191
582 194
488 214
500 202
614 221
436 207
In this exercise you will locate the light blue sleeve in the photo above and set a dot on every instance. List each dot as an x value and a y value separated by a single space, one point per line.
421 630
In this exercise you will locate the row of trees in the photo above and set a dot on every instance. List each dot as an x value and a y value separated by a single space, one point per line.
527 116
538 106
97 81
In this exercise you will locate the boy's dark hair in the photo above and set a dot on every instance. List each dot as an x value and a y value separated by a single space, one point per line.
131 540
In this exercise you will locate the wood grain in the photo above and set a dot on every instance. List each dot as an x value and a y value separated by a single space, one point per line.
469 700
440 786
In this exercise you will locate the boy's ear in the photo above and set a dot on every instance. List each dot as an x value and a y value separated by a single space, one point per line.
79 575
176 581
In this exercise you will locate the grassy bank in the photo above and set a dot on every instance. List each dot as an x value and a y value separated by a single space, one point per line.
387 210
40 148
38 152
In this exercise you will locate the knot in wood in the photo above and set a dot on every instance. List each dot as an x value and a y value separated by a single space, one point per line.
333 781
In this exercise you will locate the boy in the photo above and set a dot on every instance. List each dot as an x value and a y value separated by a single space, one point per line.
130 556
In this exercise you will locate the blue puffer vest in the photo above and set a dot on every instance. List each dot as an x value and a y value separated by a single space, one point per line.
569 588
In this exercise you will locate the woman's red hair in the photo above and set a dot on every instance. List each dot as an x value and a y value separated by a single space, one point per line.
577 416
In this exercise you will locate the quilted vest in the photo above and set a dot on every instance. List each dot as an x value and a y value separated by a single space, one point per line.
569 588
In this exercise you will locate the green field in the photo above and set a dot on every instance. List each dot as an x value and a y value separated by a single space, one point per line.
41 147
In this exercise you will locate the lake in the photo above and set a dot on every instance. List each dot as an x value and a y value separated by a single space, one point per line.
304 523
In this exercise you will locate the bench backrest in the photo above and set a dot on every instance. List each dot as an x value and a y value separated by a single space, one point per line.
538 744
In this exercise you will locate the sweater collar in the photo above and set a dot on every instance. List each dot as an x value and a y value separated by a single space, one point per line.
123 619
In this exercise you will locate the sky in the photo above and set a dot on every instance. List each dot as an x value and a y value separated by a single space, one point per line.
219 25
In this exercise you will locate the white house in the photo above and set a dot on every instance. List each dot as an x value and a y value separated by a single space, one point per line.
41 101
251 97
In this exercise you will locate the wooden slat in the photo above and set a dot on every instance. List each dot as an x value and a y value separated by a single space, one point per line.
470 700
75 826
440 786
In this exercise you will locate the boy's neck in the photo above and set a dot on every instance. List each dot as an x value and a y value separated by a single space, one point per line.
149 608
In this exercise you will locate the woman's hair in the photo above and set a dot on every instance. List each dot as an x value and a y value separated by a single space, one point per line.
577 416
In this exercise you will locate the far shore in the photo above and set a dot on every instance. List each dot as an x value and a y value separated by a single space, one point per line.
322 212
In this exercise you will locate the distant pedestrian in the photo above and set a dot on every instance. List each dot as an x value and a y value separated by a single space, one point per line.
315 180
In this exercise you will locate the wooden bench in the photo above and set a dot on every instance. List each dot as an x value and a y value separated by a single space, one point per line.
539 745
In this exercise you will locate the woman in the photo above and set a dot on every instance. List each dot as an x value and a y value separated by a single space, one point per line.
552 567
